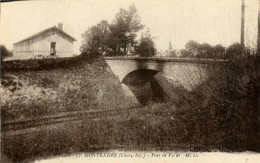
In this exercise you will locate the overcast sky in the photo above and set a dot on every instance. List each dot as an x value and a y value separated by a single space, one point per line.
178 21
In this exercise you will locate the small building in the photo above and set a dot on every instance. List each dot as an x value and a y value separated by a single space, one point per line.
52 41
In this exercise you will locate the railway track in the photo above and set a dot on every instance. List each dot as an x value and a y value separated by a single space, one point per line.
20 127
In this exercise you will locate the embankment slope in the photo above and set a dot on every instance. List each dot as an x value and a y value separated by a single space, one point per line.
53 85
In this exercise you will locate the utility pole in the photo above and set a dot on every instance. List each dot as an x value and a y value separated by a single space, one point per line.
258 30
242 41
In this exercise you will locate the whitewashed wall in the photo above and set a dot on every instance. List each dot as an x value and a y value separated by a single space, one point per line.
40 45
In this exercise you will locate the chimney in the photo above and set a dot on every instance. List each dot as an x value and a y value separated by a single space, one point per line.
60 26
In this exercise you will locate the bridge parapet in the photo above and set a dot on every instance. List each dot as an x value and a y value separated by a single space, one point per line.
167 59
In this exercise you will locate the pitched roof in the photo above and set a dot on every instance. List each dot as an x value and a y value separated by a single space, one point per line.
46 30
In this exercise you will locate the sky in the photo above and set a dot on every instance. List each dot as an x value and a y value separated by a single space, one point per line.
175 21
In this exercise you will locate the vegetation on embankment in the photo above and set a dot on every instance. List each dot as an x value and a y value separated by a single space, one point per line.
219 115
222 113
33 88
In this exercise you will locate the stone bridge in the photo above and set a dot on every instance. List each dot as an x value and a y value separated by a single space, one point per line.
188 72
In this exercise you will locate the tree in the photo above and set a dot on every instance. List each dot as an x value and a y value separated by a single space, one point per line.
205 51
124 28
192 46
96 38
115 36
234 50
146 47
219 51
105 34
4 52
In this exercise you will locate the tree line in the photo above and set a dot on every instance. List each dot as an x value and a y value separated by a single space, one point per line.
119 37
194 49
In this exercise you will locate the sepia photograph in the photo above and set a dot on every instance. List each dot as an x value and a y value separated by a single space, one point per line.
130 81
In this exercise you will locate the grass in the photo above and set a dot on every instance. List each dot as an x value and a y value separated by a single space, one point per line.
125 132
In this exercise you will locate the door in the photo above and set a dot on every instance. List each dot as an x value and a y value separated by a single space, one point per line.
53 48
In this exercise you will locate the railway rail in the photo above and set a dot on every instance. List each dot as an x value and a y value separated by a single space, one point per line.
20 127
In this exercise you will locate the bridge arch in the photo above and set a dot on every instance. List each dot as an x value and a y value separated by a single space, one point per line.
122 68
187 72
137 74
144 85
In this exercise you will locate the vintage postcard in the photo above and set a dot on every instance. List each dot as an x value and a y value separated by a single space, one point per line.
130 81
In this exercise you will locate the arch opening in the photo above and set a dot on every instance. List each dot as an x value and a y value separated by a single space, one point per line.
144 86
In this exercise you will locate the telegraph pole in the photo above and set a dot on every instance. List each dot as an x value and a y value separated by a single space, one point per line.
258 61
258 30
242 40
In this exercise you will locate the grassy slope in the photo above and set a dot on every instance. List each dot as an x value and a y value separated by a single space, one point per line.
86 85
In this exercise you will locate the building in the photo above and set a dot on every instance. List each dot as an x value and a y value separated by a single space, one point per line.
51 41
